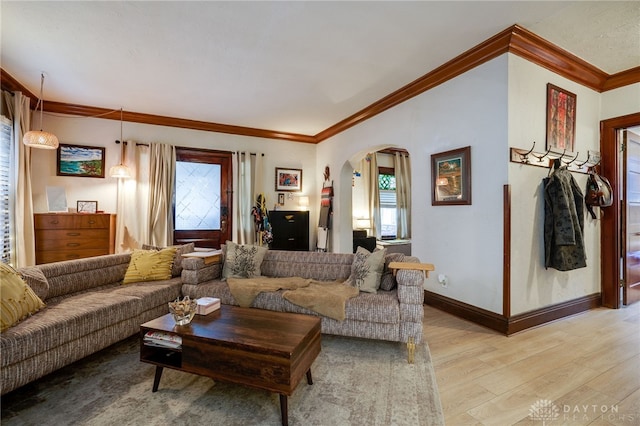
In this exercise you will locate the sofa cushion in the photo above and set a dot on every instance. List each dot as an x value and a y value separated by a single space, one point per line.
18 300
242 261
154 293
35 279
150 265
366 270
70 319
176 269
388 280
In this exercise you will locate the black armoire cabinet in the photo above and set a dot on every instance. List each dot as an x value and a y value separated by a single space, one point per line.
290 230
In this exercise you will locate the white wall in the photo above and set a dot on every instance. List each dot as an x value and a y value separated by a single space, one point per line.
621 101
533 286
463 242
100 132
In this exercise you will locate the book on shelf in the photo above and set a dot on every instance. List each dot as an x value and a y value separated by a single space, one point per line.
206 305
162 339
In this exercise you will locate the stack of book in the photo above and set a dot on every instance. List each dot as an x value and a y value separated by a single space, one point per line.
206 305
162 340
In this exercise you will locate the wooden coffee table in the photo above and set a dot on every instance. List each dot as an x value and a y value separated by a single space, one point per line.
251 347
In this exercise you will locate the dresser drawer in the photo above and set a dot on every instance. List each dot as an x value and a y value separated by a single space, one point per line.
60 255
71 221
61 239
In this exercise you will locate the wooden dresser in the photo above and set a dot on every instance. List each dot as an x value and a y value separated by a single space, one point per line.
67 236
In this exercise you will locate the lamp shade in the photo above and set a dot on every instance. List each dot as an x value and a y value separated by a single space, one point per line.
119 171
40 139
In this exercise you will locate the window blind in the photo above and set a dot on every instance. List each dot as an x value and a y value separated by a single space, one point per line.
5 189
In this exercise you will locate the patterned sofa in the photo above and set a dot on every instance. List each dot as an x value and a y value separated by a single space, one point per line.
394 315
87 310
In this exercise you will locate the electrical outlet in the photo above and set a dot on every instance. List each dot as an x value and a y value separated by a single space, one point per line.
443 280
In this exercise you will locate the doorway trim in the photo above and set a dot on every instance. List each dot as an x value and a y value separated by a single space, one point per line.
609 229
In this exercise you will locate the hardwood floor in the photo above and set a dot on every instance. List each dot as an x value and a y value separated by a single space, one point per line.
584 369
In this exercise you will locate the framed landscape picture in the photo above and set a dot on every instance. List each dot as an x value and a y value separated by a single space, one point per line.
288 179
451 177
561 119
80 161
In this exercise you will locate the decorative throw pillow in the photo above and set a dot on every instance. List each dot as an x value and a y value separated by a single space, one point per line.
35 279
242 261
366 269
176 269
388 280
150 265
17 299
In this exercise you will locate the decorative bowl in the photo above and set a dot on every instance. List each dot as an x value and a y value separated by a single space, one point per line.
183 310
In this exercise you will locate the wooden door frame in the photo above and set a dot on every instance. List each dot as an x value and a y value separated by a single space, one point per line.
610 226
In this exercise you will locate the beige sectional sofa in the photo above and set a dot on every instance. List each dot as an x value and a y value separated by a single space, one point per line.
394 315
87 309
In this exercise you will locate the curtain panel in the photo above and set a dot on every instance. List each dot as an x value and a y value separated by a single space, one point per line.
17 109
402 167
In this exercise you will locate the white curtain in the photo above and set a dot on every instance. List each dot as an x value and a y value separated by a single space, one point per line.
369 167
133 200
247 173
402 166
161 181
16 109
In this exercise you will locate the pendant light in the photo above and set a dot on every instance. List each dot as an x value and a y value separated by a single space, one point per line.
120 171
38 138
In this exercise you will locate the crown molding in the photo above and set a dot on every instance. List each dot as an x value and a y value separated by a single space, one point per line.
515 39
137 117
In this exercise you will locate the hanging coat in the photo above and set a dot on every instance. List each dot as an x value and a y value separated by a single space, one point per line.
563 222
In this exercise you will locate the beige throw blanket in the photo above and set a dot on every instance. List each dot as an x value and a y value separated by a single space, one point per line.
326 298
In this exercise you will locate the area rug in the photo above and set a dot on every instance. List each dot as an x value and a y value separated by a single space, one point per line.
355 382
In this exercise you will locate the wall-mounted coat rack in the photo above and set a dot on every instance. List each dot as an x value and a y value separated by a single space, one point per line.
531 157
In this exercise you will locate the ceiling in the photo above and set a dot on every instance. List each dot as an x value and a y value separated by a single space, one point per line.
293 66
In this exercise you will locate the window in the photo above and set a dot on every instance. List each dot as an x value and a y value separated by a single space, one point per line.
6 224
387 192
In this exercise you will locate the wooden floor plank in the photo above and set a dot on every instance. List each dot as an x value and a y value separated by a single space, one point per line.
576 363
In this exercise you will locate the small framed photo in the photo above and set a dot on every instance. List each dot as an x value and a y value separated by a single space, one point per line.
87 206
561 119
281 199
80 161
451 177
288 180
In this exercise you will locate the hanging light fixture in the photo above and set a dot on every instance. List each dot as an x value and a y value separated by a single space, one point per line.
38 138
120 171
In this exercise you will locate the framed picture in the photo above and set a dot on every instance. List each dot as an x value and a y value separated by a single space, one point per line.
288 179
87 206
80 161
561 119
281 199
451 177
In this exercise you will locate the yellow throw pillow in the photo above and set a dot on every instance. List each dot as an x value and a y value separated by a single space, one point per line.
17 298
150 265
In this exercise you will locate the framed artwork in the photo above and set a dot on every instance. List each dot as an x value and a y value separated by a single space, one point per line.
288 179
80 161
451 177
561 119
87 206
281 199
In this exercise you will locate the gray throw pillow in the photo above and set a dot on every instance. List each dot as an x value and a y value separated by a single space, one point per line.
388 281
242 261
36 280
366 269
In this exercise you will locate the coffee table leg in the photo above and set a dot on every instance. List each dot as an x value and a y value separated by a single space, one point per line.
309 379
156 380
284 410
